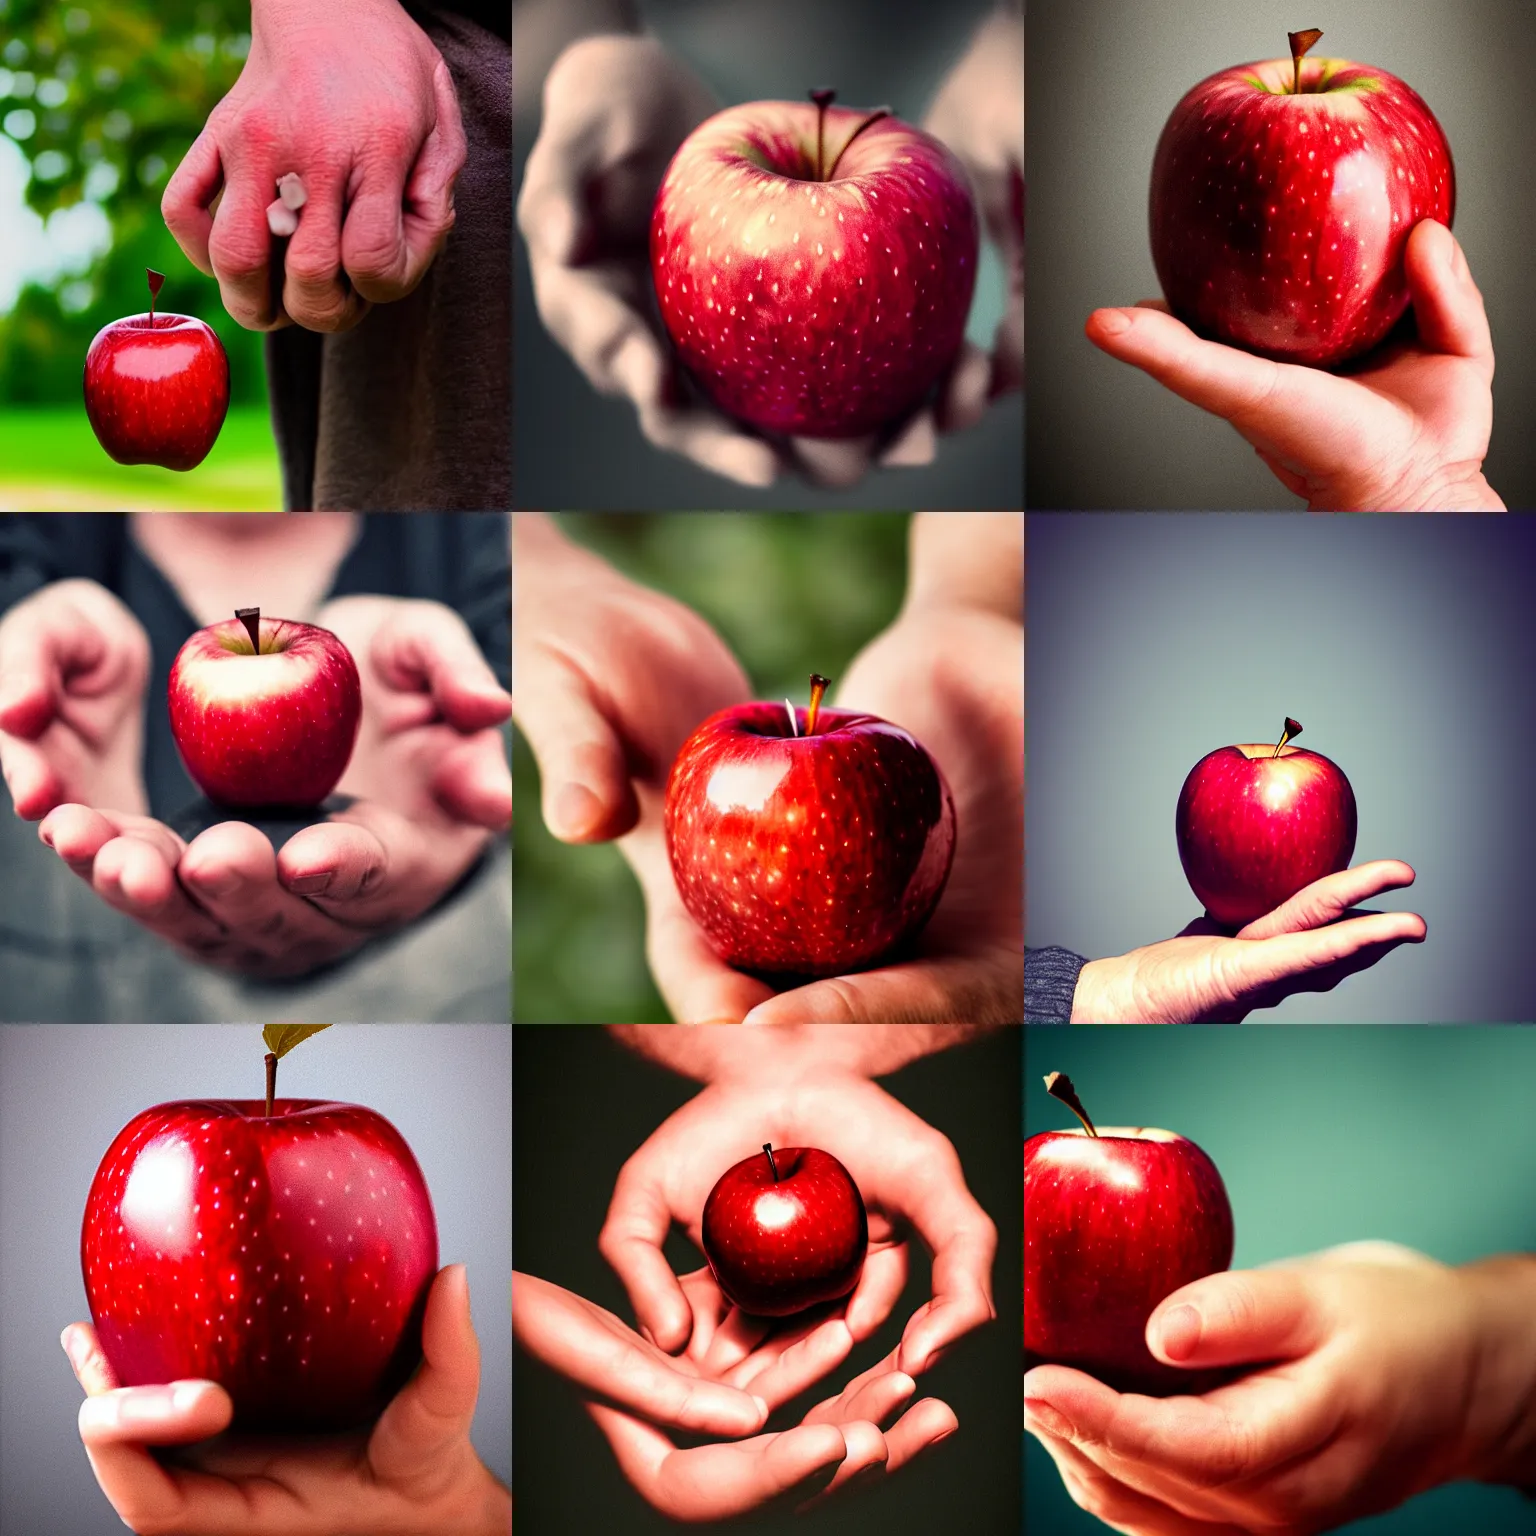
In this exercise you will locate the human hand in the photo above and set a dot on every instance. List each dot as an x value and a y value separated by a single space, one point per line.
616 109
1368 1386
416 1470
979 114
352 97
1307 944
73 666
433 785
906 1171
1406 429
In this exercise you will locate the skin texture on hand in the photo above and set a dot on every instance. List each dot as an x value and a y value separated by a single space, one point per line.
907 1172
1309 944
353 98
73 666
1376 1385
1406 430
416 1470
616 109
433 786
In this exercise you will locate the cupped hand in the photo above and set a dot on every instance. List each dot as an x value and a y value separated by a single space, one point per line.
907 1172
433 786
416 1470
73 667
1406 429
354 98
616 109
1363 1371
1309 944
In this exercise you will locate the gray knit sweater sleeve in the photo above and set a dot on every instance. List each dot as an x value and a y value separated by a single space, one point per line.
1050 979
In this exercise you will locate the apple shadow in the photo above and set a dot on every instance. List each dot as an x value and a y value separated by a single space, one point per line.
277 823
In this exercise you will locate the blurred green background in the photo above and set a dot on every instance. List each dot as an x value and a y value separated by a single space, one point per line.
99 101
791 593
1323 1135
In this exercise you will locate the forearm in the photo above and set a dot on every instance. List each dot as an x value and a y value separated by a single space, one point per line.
1502 1432
967 560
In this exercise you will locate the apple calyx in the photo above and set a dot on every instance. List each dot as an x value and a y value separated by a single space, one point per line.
1300 43
1292 729
280 1039
251 618
819 686
156 282
768 1148
824 99
1059 1086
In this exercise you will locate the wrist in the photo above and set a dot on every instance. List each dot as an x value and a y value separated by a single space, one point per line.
1501 1434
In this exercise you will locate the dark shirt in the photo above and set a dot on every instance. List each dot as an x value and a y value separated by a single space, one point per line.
1050 980
459 559
494 15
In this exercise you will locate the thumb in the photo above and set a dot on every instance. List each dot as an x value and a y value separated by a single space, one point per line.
436 1407
1236 1318
1447 306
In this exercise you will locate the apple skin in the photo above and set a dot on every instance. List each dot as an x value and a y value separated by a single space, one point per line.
813 308
1279 219
274 729
1253 829
807 855
779 1247
288 1258
1112 1226
157 389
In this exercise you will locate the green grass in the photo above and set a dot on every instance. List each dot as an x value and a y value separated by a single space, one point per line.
50 461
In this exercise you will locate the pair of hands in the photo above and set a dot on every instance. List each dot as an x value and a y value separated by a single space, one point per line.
429 772
1308 944
615 111
1406 429
701 1367
354 98
416 1470
613 677
1370 1384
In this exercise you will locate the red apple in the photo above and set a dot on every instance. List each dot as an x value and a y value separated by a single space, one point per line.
157 387
808 842
1115 1220
784 1230
281 1247
814 267
1255 823
272 723
1283 193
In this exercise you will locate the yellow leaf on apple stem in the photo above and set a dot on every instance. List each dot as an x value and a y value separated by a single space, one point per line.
281 1038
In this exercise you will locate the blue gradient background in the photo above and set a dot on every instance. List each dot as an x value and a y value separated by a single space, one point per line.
1402 644
1323 1136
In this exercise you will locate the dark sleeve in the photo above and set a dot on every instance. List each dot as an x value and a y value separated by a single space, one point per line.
37 548
1050 980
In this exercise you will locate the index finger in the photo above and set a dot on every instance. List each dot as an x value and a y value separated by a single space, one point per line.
637 1223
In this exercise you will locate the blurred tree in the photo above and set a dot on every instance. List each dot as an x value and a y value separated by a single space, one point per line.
103 98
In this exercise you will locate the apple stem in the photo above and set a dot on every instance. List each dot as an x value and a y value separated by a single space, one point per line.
1059 1086
156 283
271 1078
823 99
1300 42
1292 728
874 117
768 1148
819 686
251 618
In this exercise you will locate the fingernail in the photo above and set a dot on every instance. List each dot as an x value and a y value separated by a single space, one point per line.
67 1342
1048 1419
312 885
762 1407
1179 1332
1114 322
223 882
188 1395
576 810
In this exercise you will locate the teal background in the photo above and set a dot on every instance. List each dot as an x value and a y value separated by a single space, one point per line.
790 593
1416 1135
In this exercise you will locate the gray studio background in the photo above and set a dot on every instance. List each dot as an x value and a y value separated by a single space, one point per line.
1320 1138
66 1091
583 1105
1103 77
1402 645
575 448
